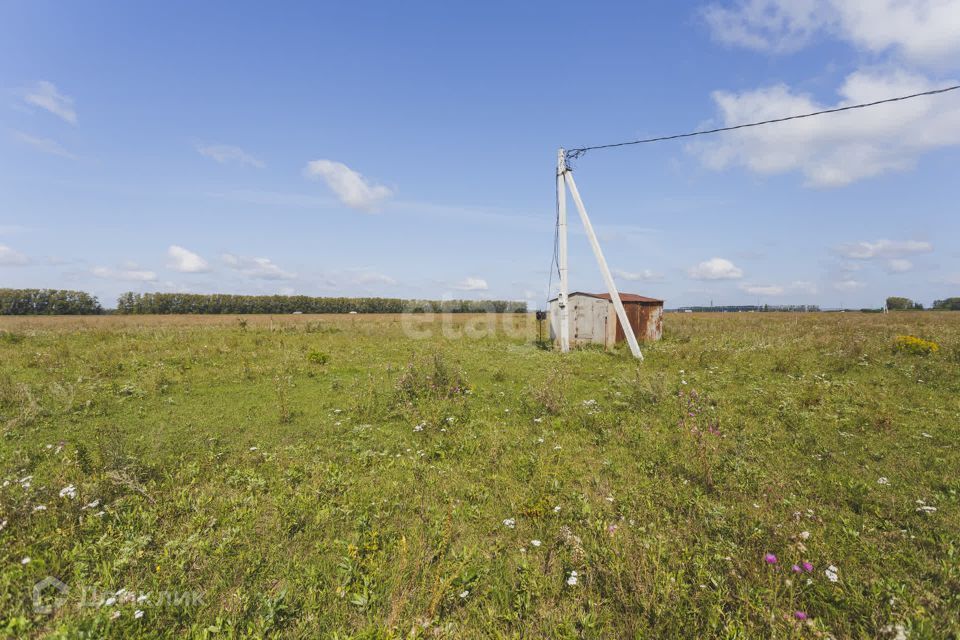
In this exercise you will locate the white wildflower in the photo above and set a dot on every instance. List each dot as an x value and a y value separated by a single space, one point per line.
539 440
882 480
253 448
804 535
138 613
464 594
832 573
535 543
25 560
92 505
538 420
556 509
116 614
573 579
68 491
926 509
420 426
3 525
110 601
510 523
40 507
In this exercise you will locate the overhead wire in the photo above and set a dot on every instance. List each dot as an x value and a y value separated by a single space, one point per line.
573 154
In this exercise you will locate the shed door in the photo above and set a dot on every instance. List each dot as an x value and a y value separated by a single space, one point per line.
582 319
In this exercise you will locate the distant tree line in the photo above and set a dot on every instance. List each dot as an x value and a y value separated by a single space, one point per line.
752 307
897 303
950 304
47 302
164 303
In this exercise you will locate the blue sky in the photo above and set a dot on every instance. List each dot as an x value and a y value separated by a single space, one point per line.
408 149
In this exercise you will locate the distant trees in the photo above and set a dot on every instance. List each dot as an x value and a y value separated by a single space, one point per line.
950 304
164 303
49 302
897 303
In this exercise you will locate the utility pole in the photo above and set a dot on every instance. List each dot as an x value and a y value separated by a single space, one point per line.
562 250
564 175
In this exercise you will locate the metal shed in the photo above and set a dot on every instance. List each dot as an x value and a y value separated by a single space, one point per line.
594 320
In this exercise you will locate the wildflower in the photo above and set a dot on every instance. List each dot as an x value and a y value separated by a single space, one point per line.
926 435
464 594
49 446
800 615
770 558
796 568
589 403
808 567
110 601
116 614
138 614
253 448
510 523
831 573
535 543
882 480
573 579
683 382
538 420
609 498
611 529
92 505
539 440
450 419
926 509
68 491
557 447
40 507
556 509
420 426
25 560
3 525
804 535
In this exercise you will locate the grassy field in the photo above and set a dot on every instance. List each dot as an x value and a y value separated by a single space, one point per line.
318 476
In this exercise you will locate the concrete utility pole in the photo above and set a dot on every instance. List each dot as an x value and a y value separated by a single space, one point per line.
564 175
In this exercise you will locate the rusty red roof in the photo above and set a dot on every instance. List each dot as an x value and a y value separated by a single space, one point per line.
624 297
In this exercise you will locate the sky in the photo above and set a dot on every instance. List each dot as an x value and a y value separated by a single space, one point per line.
409 149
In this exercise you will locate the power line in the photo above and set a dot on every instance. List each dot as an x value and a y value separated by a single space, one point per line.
573 154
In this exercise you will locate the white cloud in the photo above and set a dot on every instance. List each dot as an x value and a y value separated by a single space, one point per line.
715 269
372 277
45 95
763 289
644 275
258 268
803 286
350 187
921 31
131 274
835 149
847 285
899 265
9 257
472 284
765 25
884 249
186 261
224 153
44 145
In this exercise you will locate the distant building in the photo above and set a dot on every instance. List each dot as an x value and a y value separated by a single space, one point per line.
593 319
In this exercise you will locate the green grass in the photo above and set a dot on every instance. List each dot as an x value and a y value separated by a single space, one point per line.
333 477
